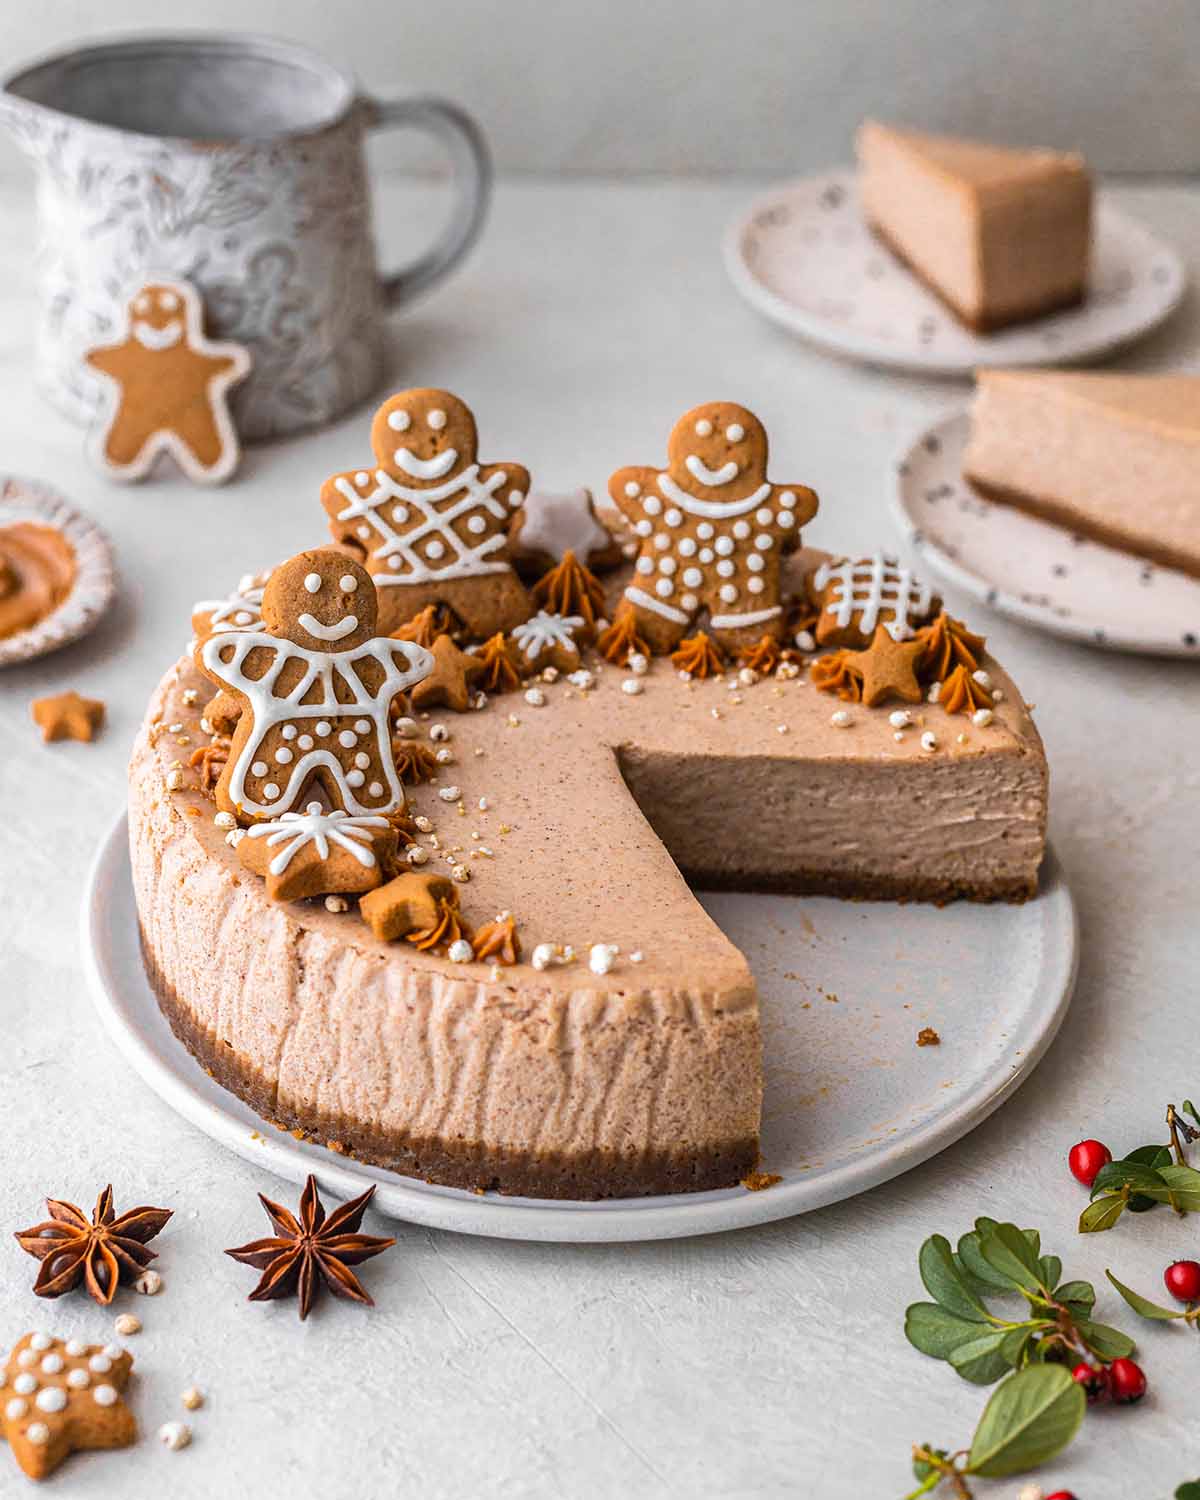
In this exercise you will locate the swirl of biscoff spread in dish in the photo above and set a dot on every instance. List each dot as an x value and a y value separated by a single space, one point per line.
37 572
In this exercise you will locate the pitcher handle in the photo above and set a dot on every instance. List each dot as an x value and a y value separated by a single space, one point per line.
472 164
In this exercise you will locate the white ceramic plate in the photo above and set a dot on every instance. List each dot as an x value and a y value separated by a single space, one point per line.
1042 574
803 255
851 1099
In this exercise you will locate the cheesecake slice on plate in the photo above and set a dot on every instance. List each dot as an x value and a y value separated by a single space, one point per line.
1112 457
1001 235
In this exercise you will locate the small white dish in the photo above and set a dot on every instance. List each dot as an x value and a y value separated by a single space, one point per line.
92 591
851 1100
802 255
1041 574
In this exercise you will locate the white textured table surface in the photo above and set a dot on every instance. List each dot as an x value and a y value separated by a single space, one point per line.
768 1362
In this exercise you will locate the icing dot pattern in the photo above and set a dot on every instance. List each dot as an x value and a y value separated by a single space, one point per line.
50 1405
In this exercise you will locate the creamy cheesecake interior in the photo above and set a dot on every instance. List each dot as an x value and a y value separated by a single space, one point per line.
1114 457
1001 235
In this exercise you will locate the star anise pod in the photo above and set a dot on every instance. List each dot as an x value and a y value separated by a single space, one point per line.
312 1247
101 1252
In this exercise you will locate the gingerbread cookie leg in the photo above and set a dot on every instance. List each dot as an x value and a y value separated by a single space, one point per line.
736 631
662 627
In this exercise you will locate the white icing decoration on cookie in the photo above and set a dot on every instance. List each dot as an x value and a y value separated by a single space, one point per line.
436 467
403 664
740 621
543 632
716 509
647 601
242 610
295 831
870 586
714 478
400 551
347 625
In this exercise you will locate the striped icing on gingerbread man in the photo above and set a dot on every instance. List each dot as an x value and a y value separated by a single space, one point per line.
315 686
431 521
713 530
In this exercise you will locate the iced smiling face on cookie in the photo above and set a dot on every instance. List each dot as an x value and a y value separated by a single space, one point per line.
323 601
718 452
156 318
426 436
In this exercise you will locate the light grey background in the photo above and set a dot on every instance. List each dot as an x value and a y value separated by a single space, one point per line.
715 86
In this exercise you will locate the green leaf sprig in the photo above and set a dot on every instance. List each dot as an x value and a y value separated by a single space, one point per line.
1031 1416
1189 1315
1147 1177
997 1259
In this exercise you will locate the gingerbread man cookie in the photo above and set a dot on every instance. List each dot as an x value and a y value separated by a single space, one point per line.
315 685
712 529
430 520
166 390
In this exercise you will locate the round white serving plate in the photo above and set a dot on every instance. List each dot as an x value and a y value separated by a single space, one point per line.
851 1100
803 255
1042 574
92 592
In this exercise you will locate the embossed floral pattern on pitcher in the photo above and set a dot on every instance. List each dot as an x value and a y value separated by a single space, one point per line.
276 234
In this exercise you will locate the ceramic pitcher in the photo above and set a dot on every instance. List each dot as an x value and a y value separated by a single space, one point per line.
236 163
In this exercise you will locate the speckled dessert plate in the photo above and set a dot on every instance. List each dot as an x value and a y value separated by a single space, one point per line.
803 255
851 1100
1042 574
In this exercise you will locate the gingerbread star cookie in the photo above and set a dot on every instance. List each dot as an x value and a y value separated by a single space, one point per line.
318 853
712 530
451 678
548 526
62 1396
165 389
888 669
315 685
853 596
547 640
67 717
430 520
409 905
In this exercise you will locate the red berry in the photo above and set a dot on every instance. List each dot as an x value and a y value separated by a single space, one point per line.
1086 1159
1126 1380
1183 1280
1093 1379
1061 1495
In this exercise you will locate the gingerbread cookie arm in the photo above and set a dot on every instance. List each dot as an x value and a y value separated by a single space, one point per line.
109 360
515 483
794 506
338 494
628 487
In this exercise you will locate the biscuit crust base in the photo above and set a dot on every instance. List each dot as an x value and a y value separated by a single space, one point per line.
982 322
458 1163
878 887
1046 508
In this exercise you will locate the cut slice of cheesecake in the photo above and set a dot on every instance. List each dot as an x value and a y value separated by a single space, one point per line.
1001 235
1113 457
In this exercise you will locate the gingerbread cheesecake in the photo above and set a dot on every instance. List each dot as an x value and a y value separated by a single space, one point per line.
1001 235
501 979
1111 457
